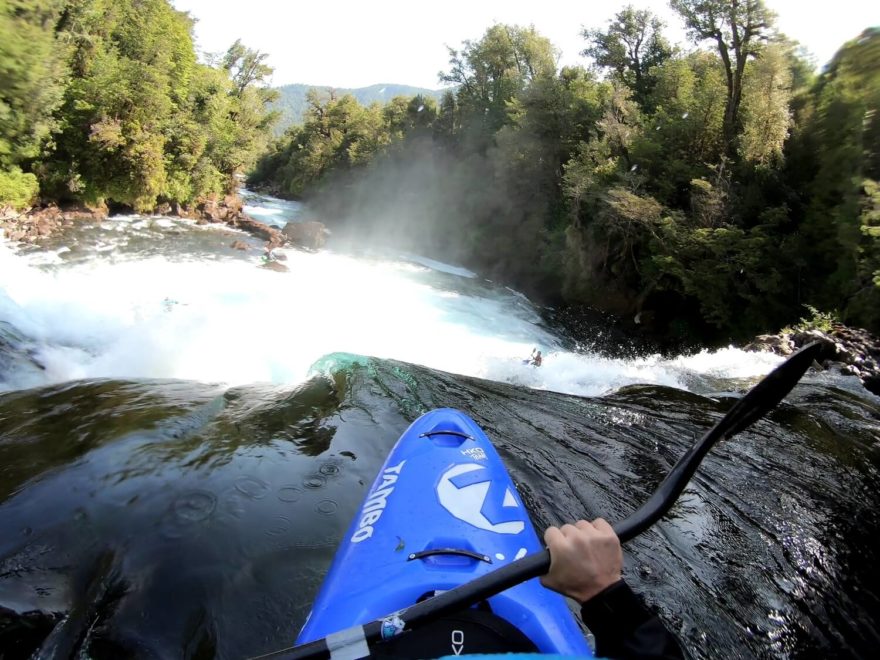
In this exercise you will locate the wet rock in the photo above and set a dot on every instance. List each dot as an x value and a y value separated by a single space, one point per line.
852 351
209 210
239 245
44 226
309 234
831 350
257 228
233 204
38 223
229 210
182 210
779 344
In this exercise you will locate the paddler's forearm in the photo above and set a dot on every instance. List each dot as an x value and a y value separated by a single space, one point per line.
624 628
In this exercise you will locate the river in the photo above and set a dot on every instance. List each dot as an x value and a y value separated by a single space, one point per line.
185 435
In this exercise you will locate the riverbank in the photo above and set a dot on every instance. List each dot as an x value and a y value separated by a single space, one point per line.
37 223
850 351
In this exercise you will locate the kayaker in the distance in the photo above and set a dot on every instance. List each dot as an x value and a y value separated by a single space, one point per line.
535 358
585 564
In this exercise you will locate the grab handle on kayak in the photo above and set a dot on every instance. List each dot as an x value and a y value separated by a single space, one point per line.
449 551
458 434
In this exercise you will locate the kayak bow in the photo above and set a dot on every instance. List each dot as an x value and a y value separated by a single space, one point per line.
442 512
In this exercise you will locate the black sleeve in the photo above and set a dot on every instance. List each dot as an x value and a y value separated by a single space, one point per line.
625 629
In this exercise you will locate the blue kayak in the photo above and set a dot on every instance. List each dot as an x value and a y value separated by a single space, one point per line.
441 512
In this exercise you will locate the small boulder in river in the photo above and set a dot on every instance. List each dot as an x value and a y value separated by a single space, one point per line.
239 245
309 234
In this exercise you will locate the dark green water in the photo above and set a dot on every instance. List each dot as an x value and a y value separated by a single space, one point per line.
168 519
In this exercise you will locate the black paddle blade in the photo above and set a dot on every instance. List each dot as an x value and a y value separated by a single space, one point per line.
762 398
767 394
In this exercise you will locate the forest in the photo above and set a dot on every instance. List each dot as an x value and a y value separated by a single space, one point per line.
710 192
707 191
104 102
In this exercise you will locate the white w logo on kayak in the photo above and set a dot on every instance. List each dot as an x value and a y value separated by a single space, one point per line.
468 493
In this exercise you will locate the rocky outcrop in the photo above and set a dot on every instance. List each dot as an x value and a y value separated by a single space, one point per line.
207 209
228 210
850 350
37 223
311 234
780 344
272 236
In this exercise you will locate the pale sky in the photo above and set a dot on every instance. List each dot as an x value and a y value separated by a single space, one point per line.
355 43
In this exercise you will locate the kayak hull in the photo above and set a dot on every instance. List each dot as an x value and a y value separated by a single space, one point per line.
442 511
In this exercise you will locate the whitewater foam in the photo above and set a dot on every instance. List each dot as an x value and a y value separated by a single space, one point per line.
225 319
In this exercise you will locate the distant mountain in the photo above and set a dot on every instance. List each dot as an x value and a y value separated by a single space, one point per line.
292 101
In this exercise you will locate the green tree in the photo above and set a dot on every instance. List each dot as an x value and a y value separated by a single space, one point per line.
737 28
246 67
682 139
337 136
492 71
630 47
130 63
141 120
31 70
31 85
865 304
844 136
766 106
449 118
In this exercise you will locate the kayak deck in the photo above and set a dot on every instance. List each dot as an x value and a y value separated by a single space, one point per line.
441 512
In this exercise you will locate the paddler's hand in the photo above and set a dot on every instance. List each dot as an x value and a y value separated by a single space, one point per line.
585 559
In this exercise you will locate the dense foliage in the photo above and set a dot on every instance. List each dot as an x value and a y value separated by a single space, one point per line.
292 100
105 101
717 190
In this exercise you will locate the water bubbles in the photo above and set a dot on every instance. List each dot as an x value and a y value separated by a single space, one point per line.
280 525
251 487
194 506
289 494
315 481
326 507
